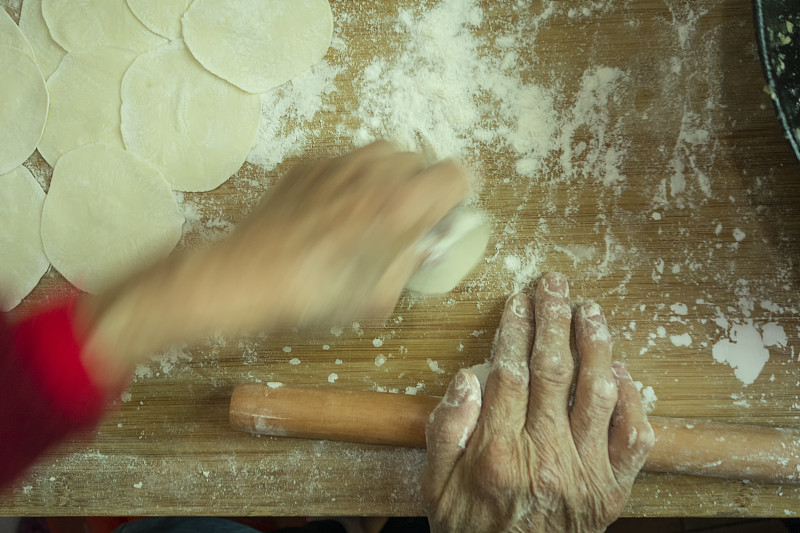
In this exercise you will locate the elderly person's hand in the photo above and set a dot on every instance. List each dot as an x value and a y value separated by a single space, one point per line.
530 456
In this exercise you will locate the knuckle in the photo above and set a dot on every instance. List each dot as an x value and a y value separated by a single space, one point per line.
557 311
552 366
602 391
499 471
548 482
511 375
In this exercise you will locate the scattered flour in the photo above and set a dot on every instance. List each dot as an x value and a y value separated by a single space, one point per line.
434 366
332 377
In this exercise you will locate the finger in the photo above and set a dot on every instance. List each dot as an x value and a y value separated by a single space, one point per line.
449 430
551 360
596 390
630 437
506 397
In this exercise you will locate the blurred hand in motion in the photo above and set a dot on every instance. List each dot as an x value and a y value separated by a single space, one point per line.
523 457
339 236
333 241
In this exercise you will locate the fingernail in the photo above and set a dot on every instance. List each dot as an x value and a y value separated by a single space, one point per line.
458 390
619 370
591 311
556 284
520 305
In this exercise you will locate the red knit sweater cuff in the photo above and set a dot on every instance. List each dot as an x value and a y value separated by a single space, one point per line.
48 346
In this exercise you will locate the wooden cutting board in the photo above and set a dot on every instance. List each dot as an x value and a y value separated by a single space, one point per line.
687 115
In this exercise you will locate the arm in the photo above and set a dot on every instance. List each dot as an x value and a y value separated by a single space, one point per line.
331 242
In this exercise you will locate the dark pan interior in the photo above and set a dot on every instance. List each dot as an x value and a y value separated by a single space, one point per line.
778 35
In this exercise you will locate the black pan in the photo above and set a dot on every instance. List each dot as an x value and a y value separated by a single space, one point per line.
778 36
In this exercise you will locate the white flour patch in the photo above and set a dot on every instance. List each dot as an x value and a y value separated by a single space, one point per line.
434 366
682 340
744 351
288 112
649 397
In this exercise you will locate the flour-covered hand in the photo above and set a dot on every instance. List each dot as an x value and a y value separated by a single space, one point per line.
523 459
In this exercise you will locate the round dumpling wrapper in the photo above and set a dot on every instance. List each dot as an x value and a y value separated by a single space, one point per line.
79 24
161 16
24 261
23 112
194 127
11 35
258 44
107 214
48 53
85 101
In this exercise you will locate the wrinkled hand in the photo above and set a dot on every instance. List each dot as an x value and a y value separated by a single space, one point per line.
527 459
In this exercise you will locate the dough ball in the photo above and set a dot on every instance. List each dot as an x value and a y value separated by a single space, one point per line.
107 214
11 35
47 52
79 24
258 44
24 262
453 248
23 111
161 16
85 101
194 127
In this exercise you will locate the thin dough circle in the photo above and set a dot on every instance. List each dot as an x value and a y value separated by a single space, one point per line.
258 44
47 52
23 111
161 16
85 101
107 214
80 24
196 128
11 35
24 262
453 249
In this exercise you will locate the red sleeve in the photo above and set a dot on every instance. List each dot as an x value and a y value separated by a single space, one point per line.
46 392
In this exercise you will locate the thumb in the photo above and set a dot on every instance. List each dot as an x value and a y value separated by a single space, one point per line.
449 429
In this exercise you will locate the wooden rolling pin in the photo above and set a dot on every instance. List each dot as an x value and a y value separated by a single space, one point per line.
684 446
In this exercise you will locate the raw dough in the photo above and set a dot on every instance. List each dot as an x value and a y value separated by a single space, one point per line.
24 262
79 24
107 214
258 44
48 53
197 129
161 16
453 249
23 112
85 101
11 35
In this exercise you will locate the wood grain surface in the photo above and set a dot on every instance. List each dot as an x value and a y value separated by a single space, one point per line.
630 244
